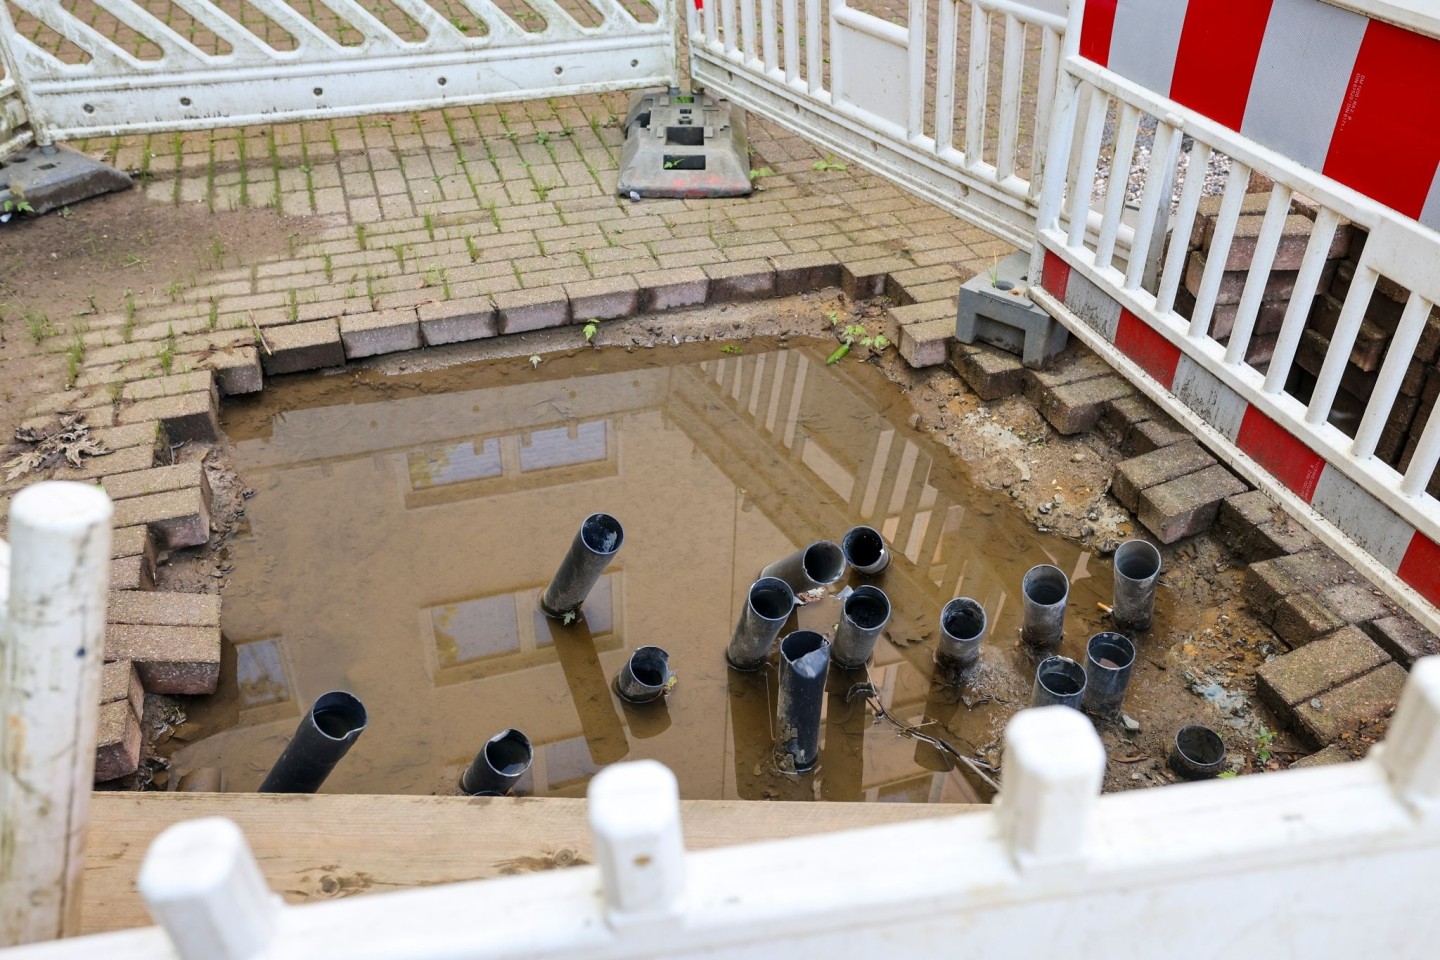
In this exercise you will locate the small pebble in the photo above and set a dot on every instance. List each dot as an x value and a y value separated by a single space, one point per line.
1077 458
914 421
1044 507
1317 704
1093 515
1130 722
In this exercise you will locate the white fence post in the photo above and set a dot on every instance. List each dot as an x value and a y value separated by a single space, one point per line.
202 884
1053 767
52 636
635 818
1411 752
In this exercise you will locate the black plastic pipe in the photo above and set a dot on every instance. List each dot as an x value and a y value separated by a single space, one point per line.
1137 570
324 736
1058 681
595 545
767 607
862 619
804 663
499 765
1044 592
962 629
1109 659
818 565
645 676
1198 753
865 550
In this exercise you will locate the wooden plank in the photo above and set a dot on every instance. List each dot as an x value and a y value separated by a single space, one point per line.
328 846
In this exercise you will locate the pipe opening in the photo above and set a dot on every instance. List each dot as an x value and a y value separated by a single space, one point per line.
963 619
824 562
800 644
772 598
1111 651
867 608
602 533
1200 745
650 666
509 754
1061 676
1046 585
863 547
1137 560
338 715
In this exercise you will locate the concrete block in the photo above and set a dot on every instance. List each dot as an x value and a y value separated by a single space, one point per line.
1293 240
237 370
131 573
178 518
924 344
170 660
1188 505
608 298
302 346
1323 758
1073 369
991 373
1270 581
864 279
1330 661
157 480
1160 466
797 273
672 289
1153 435
384 331
1361 703
1123 413
536 308
49 181
134 541
1302 618
1076 407
164 609
117 748
176 385
1002 317
456 321
149 435
1255 528
120 681
742 280
189 416
1403 639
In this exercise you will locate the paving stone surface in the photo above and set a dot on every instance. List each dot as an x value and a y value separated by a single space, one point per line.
1315 668
991 373
117 749
1352 707
1404 639
170 660
1159 466
1188 505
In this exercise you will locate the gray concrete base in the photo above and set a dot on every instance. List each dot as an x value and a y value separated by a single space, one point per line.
684 145
48 181
994 309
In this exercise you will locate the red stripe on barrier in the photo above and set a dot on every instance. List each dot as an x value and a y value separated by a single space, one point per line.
1387 138
1421 567
1219 46
1155 355
1096 30
1055 277
1278 451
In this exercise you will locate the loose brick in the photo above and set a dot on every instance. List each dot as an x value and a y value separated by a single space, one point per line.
189 416
134 541
672 289
170 660
1153 435
740 280
1066 369
455 321
179 518
797 273
1255 528
608 298
164 609
237 370
120 681
1160 466
117 748
924 344
1349 708
1403 639
1123 413
991 373
864 279
1304 617
157 480
1188 505
1330 661
1269 581
302 346
1075 407
1322 758
131 573
535 308
151 435
384 331
172 386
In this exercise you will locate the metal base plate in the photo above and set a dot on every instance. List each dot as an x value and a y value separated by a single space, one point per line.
50 178
684 145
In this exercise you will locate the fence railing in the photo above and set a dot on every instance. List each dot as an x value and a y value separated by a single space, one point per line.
1324 863
112 66
961 125
1207 363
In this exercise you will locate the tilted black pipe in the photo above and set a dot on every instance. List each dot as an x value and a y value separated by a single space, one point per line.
804 663
499 765
595 545
324 736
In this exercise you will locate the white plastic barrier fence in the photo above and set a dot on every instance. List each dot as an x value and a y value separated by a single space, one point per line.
54 577
1310 78
873 92
92 67
1333 862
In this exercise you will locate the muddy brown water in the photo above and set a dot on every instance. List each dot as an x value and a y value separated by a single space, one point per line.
404 526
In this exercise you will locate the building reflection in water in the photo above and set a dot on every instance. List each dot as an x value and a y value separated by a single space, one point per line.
401 534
